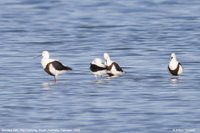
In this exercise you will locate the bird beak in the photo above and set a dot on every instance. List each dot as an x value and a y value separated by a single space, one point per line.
37 56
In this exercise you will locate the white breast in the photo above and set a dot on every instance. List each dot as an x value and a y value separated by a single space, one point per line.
44 62
173 65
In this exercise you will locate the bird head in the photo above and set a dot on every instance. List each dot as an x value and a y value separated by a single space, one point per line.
106 56
45 54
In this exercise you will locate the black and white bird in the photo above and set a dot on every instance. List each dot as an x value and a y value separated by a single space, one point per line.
175 67
51 66
113 69
98 68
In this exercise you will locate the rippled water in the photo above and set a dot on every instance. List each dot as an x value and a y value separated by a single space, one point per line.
139 34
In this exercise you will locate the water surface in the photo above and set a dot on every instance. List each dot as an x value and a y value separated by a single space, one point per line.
140 35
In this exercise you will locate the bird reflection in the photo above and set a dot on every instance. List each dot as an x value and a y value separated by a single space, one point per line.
174 79
48 85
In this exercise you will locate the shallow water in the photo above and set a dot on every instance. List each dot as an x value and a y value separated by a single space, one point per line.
140 35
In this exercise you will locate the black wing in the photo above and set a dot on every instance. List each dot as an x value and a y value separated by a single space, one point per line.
59 66
175 71
47 69
95 68
118 68
180 64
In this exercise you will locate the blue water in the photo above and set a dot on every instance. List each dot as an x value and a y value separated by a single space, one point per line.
139 35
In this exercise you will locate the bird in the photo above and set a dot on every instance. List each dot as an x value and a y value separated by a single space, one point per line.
113 69
98 68
52 66
175 67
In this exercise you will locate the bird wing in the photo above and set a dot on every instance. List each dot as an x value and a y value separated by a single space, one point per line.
95 68
59 66
118 68
175 71
180 64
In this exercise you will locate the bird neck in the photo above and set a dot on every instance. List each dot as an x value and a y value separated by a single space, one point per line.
173 63
45 61
109 62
